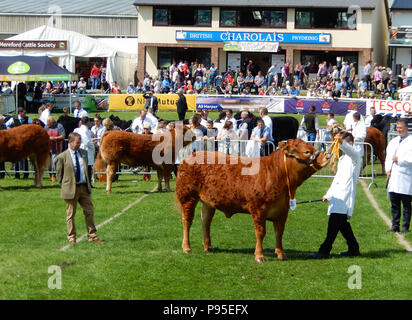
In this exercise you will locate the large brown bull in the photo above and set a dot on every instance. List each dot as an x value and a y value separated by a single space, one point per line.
264 195
142 150
26 141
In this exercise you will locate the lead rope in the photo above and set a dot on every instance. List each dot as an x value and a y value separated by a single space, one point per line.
287 176
334 153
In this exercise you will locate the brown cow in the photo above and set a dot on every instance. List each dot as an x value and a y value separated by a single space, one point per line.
138 150
264 195
26 141
374 137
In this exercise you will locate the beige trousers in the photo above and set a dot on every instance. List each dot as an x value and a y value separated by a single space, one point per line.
82 197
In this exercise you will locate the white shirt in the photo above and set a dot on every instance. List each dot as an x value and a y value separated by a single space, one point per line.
87 143
268 123
342 192
80 113
348 122
203 122
368 121
401 172
44 115
359 134
233 120
154 121
408 73
97 132
82 171
138 123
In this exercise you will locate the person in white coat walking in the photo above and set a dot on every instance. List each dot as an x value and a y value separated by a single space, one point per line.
341 197
399 173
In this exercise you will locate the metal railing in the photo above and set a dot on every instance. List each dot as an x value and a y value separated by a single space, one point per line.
367 173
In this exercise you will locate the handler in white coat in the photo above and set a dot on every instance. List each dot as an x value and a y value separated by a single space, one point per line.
341 197
87 143
358 131
399 173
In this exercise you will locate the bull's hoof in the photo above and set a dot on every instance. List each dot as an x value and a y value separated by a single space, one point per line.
168 190
36 186
159 190
187 250
108 192
259 259
281 255
208 249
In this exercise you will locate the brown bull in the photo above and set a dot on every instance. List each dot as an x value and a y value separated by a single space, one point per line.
374 137
264 195
26 141
141 149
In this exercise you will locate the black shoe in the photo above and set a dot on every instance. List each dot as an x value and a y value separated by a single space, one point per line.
25 177
393 230
350 253
318 255
16 177
404 231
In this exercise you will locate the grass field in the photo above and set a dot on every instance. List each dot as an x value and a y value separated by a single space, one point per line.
142 257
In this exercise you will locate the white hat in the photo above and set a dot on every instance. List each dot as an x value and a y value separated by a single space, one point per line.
146 126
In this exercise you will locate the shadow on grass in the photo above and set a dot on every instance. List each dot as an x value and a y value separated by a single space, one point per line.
17 188
303 255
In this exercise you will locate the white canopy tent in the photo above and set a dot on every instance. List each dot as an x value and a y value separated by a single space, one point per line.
78 46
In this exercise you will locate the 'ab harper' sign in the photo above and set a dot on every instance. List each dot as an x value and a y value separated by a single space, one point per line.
253 36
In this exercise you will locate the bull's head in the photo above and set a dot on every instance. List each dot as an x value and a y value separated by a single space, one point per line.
304 153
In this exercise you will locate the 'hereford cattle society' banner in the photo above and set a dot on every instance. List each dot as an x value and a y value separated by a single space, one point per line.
339 107
133 102
390 107
215 103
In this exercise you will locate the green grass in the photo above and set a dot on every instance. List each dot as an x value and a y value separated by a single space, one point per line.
142 257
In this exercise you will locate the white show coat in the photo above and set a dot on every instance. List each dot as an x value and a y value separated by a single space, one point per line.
87 143
342 192
359 134
401 174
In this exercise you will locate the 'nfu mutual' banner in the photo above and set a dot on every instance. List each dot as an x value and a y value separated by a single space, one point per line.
338 107
136 102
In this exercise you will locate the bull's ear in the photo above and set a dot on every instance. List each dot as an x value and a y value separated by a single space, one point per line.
282 145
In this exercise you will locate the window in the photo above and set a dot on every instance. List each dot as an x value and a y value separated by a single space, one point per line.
182 16
273 18
303 19
323 18
204 17
248 17
161 16
228 18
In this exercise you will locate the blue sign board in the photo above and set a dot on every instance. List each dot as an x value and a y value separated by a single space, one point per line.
280 37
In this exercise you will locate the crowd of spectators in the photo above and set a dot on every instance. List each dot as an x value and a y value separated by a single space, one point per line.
323 80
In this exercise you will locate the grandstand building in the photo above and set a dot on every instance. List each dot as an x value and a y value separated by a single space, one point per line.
229 32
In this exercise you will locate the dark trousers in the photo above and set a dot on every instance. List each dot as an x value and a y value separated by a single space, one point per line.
2 168
181 115
339 222
24 165
396 199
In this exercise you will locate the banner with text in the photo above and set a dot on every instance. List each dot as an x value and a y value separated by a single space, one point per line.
215 103
390 107
133 102
339 107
